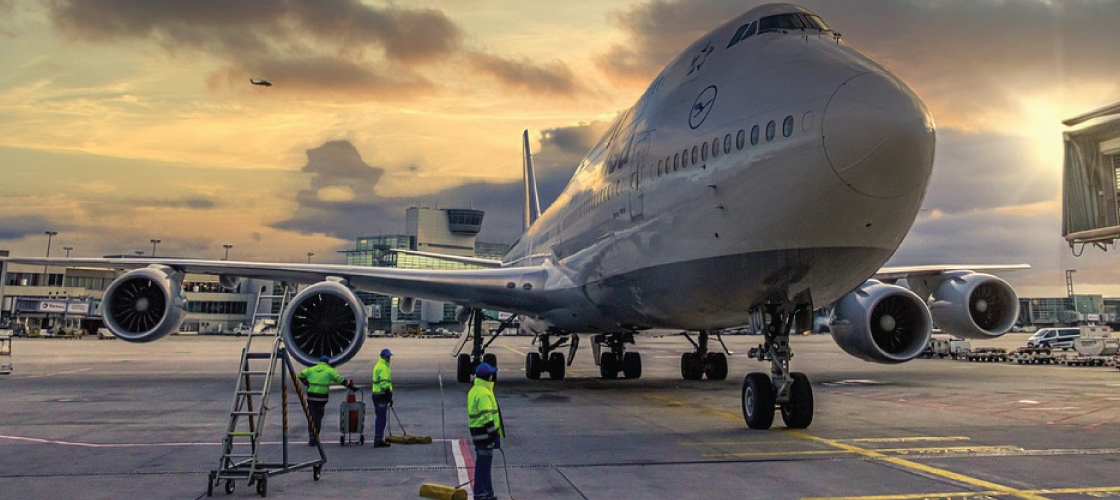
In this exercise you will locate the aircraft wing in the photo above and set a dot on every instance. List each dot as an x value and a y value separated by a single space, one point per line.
515 289
890 274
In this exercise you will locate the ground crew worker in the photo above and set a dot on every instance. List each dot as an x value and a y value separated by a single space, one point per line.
486 428
382 397
318 380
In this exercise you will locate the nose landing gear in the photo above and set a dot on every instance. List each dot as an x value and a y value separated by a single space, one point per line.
790 391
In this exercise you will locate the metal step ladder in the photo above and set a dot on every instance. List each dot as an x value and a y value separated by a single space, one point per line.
263 310
241 447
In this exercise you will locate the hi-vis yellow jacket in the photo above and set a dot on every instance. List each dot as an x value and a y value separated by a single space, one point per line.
485 417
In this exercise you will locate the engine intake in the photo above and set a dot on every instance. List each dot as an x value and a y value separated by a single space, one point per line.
326 318
881 323
144 304
974 305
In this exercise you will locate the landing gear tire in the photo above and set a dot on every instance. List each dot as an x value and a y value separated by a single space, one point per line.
463 368
798 412
230 486
608 365
556 366
316 472
262 486
632 365
691 366
758 401
715 366
533 366
490 359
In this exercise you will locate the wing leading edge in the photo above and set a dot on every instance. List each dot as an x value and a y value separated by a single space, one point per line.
515 289
889 274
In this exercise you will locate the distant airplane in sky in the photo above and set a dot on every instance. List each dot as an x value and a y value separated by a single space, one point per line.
770 169
261 82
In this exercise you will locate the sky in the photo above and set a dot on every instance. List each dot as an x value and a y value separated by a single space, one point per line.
127 120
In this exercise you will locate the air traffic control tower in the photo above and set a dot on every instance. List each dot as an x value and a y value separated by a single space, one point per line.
1091 179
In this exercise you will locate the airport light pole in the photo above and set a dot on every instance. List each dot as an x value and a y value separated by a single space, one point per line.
227 247
68 249
309 254
50 234
154 243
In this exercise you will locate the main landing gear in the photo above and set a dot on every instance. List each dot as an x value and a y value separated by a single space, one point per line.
545 360
467 363
790 391
695 365
616 359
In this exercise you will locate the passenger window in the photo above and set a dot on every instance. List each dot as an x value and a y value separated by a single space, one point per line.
787 126
660 163
684 158
771 128
715 147
727 144
740 138
676 161
754 135
704 152
695 152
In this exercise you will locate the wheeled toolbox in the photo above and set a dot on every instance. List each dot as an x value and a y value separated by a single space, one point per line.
352 419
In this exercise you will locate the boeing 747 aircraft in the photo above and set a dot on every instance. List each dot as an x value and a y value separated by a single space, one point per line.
768 170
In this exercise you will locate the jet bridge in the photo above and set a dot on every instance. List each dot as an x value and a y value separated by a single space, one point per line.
1091 179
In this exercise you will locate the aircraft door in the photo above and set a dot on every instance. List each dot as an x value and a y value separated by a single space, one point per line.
637 197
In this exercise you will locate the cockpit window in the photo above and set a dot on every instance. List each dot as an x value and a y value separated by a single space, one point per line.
816 23
744 32
781 22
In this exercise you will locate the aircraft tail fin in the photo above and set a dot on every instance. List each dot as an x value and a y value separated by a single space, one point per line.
532 199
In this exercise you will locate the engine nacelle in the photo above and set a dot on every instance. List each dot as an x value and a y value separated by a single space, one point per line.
881 323
143 305
974 305
326 318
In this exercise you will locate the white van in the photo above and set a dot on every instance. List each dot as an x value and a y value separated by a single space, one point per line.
1054 338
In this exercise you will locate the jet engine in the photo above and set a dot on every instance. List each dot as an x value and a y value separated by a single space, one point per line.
326 318
406 305
881 323
144 304
974 305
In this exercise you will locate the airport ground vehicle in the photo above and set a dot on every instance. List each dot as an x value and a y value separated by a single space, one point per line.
1054 338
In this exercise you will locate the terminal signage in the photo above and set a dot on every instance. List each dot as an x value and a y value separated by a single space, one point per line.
61 307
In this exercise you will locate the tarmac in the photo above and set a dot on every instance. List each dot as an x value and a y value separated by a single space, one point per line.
105 419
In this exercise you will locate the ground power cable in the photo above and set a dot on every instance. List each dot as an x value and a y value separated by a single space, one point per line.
505 468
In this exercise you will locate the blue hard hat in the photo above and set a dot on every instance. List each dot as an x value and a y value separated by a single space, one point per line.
485 369
385 353
324 359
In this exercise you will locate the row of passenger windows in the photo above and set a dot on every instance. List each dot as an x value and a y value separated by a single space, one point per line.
700 152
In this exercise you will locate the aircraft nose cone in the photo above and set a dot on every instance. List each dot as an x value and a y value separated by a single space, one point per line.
878 136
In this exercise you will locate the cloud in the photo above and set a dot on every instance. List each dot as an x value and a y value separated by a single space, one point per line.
980 171
551 78
14 227
339 46
337 168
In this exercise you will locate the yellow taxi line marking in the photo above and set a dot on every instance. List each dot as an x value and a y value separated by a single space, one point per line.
515 350
939 449
909 464
975 494
907 439
773 454
737 443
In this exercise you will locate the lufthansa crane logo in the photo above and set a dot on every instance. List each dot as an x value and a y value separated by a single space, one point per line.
701 107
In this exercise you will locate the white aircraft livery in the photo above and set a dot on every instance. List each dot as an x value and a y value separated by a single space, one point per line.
770 169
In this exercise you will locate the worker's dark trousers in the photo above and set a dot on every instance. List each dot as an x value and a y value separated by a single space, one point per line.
483 485
317 409
381 410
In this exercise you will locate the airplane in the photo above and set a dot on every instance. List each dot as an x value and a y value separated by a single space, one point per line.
768 170
260 81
